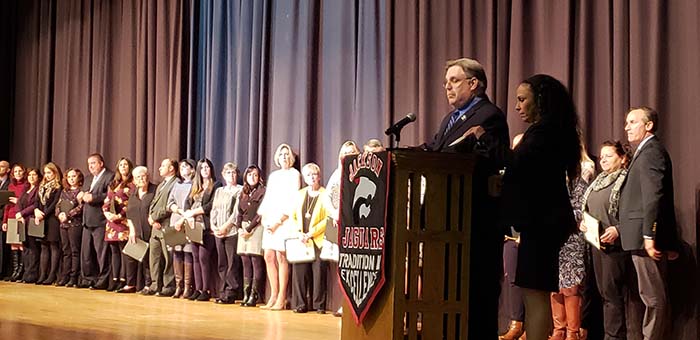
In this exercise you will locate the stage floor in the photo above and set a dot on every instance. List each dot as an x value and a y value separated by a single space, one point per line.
30 312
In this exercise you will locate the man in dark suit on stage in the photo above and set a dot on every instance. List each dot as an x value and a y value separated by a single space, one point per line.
160 259
476 126
648 219
92 246
5 267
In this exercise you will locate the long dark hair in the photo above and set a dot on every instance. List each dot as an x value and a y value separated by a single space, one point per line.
558 112
246 187
198 182
118 178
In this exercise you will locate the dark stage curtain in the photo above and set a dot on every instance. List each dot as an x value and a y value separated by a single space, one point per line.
306 73
101 76
230 80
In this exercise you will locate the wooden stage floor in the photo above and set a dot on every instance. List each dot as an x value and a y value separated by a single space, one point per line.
30 312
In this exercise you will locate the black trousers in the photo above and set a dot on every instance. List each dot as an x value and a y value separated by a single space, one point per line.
94 258
301 278
134 269
229 266
115 249
616 281
32 252
71 239
5 258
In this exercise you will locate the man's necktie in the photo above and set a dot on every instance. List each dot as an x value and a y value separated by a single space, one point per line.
453 120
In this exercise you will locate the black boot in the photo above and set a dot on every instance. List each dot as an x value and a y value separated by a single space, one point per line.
15 267
246 291
11 271
252 300
17 274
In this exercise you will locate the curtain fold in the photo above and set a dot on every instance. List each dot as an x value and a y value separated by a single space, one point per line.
230 80
104 77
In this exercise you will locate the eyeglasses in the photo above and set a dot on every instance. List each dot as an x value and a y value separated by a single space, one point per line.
454 82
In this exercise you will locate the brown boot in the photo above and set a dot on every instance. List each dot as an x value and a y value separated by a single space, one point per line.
514 331
558 316
188 278
573 316
178 269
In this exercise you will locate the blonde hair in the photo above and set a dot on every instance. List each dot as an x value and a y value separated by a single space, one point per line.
292 156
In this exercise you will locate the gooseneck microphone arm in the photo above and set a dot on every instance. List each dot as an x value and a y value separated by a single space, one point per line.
395 130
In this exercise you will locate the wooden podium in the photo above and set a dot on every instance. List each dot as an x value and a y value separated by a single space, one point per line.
426 293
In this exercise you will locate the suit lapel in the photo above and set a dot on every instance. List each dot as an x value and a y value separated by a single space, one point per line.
466 117
638 152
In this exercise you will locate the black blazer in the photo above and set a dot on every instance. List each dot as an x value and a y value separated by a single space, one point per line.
493 144
5 186
646 200
207 204
535 195
93 216
138 211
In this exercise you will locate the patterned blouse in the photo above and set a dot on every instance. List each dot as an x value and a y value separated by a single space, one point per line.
69 198
117 202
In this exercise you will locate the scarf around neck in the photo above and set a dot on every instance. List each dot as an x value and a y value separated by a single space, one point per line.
604 180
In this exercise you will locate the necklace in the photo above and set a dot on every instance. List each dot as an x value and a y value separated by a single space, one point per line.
310 202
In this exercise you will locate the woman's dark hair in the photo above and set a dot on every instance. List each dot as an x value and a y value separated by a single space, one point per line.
38 174
81 178
246 187
622 150
12 169
190 162
198 182
118 178
557 111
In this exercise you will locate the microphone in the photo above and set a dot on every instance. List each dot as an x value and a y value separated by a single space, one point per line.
396 128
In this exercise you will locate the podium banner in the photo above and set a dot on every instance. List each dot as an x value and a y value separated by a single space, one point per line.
363 207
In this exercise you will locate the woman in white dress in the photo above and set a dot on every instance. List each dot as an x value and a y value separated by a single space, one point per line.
275 209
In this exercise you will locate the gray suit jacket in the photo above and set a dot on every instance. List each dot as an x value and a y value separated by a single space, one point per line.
159 206
646 200
92 212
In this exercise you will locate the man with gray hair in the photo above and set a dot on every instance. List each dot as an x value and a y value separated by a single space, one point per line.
648 226
476 126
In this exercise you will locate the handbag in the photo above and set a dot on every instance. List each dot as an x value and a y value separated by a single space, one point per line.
299 252
330 251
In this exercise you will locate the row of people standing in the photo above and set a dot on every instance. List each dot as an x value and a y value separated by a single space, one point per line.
245 228
540 174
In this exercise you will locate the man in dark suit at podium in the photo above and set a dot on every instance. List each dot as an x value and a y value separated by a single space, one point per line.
465 87
479 127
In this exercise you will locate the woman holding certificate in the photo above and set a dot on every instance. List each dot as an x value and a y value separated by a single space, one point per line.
49 193
139 228
223 225
18 185
70 214
250 234
309 217
114 208
198 205
610 263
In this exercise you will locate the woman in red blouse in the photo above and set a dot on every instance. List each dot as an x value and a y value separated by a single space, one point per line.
18 185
